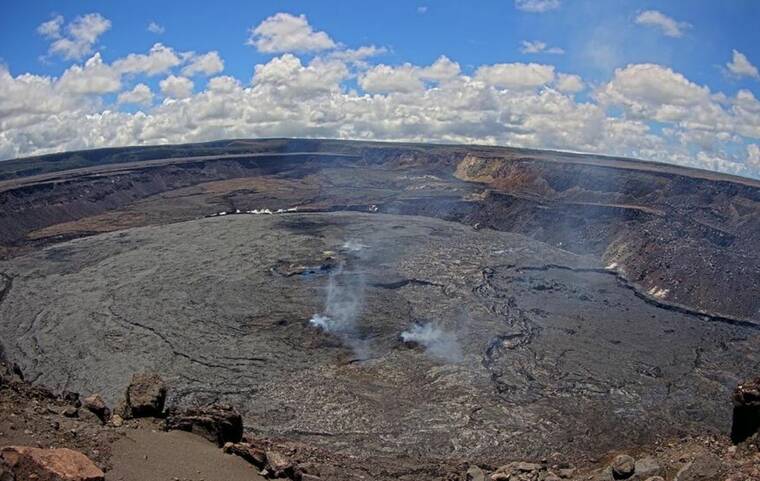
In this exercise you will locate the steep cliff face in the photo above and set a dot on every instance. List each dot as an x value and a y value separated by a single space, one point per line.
685 239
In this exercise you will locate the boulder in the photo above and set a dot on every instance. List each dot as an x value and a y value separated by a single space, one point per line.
623 466
145 396
49 464
96 405
746 417
655 478
216 422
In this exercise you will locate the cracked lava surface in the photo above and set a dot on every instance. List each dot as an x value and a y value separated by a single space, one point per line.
554 350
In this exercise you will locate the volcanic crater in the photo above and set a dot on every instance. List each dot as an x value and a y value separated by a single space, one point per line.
390 300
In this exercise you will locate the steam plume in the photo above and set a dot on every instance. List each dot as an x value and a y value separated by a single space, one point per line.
343 304
438 343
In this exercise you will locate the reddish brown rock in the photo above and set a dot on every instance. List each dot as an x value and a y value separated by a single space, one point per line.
97 406
50 464
145 396
254 455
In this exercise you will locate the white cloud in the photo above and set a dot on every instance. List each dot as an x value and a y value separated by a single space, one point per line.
94 77
520 104
51 28
386 79
655 92
208 64
442 69
159 59
176 87
516 75
153 27
223 84
283 32
667 25
422 9
140 95
407 78
537 46
753 155
359 55
537 6
740 66
286 76
569 83
77 38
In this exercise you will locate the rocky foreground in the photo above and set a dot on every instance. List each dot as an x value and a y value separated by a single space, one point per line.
47 436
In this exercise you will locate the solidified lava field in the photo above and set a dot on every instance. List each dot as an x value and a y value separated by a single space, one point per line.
472 306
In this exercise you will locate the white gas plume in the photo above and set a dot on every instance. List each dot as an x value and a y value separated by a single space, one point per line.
438 343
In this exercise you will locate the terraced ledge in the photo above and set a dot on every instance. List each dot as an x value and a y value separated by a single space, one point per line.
642 294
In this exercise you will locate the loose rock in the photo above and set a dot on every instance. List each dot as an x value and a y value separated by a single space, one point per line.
623 466
646 468
96 405
475 474
49 464
117 421
253 455
704 468
70 412
218 423
278 464
145 396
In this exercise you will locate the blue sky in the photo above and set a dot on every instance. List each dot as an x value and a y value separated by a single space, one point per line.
652 79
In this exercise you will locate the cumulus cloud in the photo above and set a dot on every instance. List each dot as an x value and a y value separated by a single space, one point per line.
158 60
283 32
516 75
207 64
665 24
176 87
385 79
655 92
153 27
740 66
407 78
537 46
753 155
569 83
643 110
75 40
537 6
95 77
140 95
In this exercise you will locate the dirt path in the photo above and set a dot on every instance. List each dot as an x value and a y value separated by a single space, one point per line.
149 455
